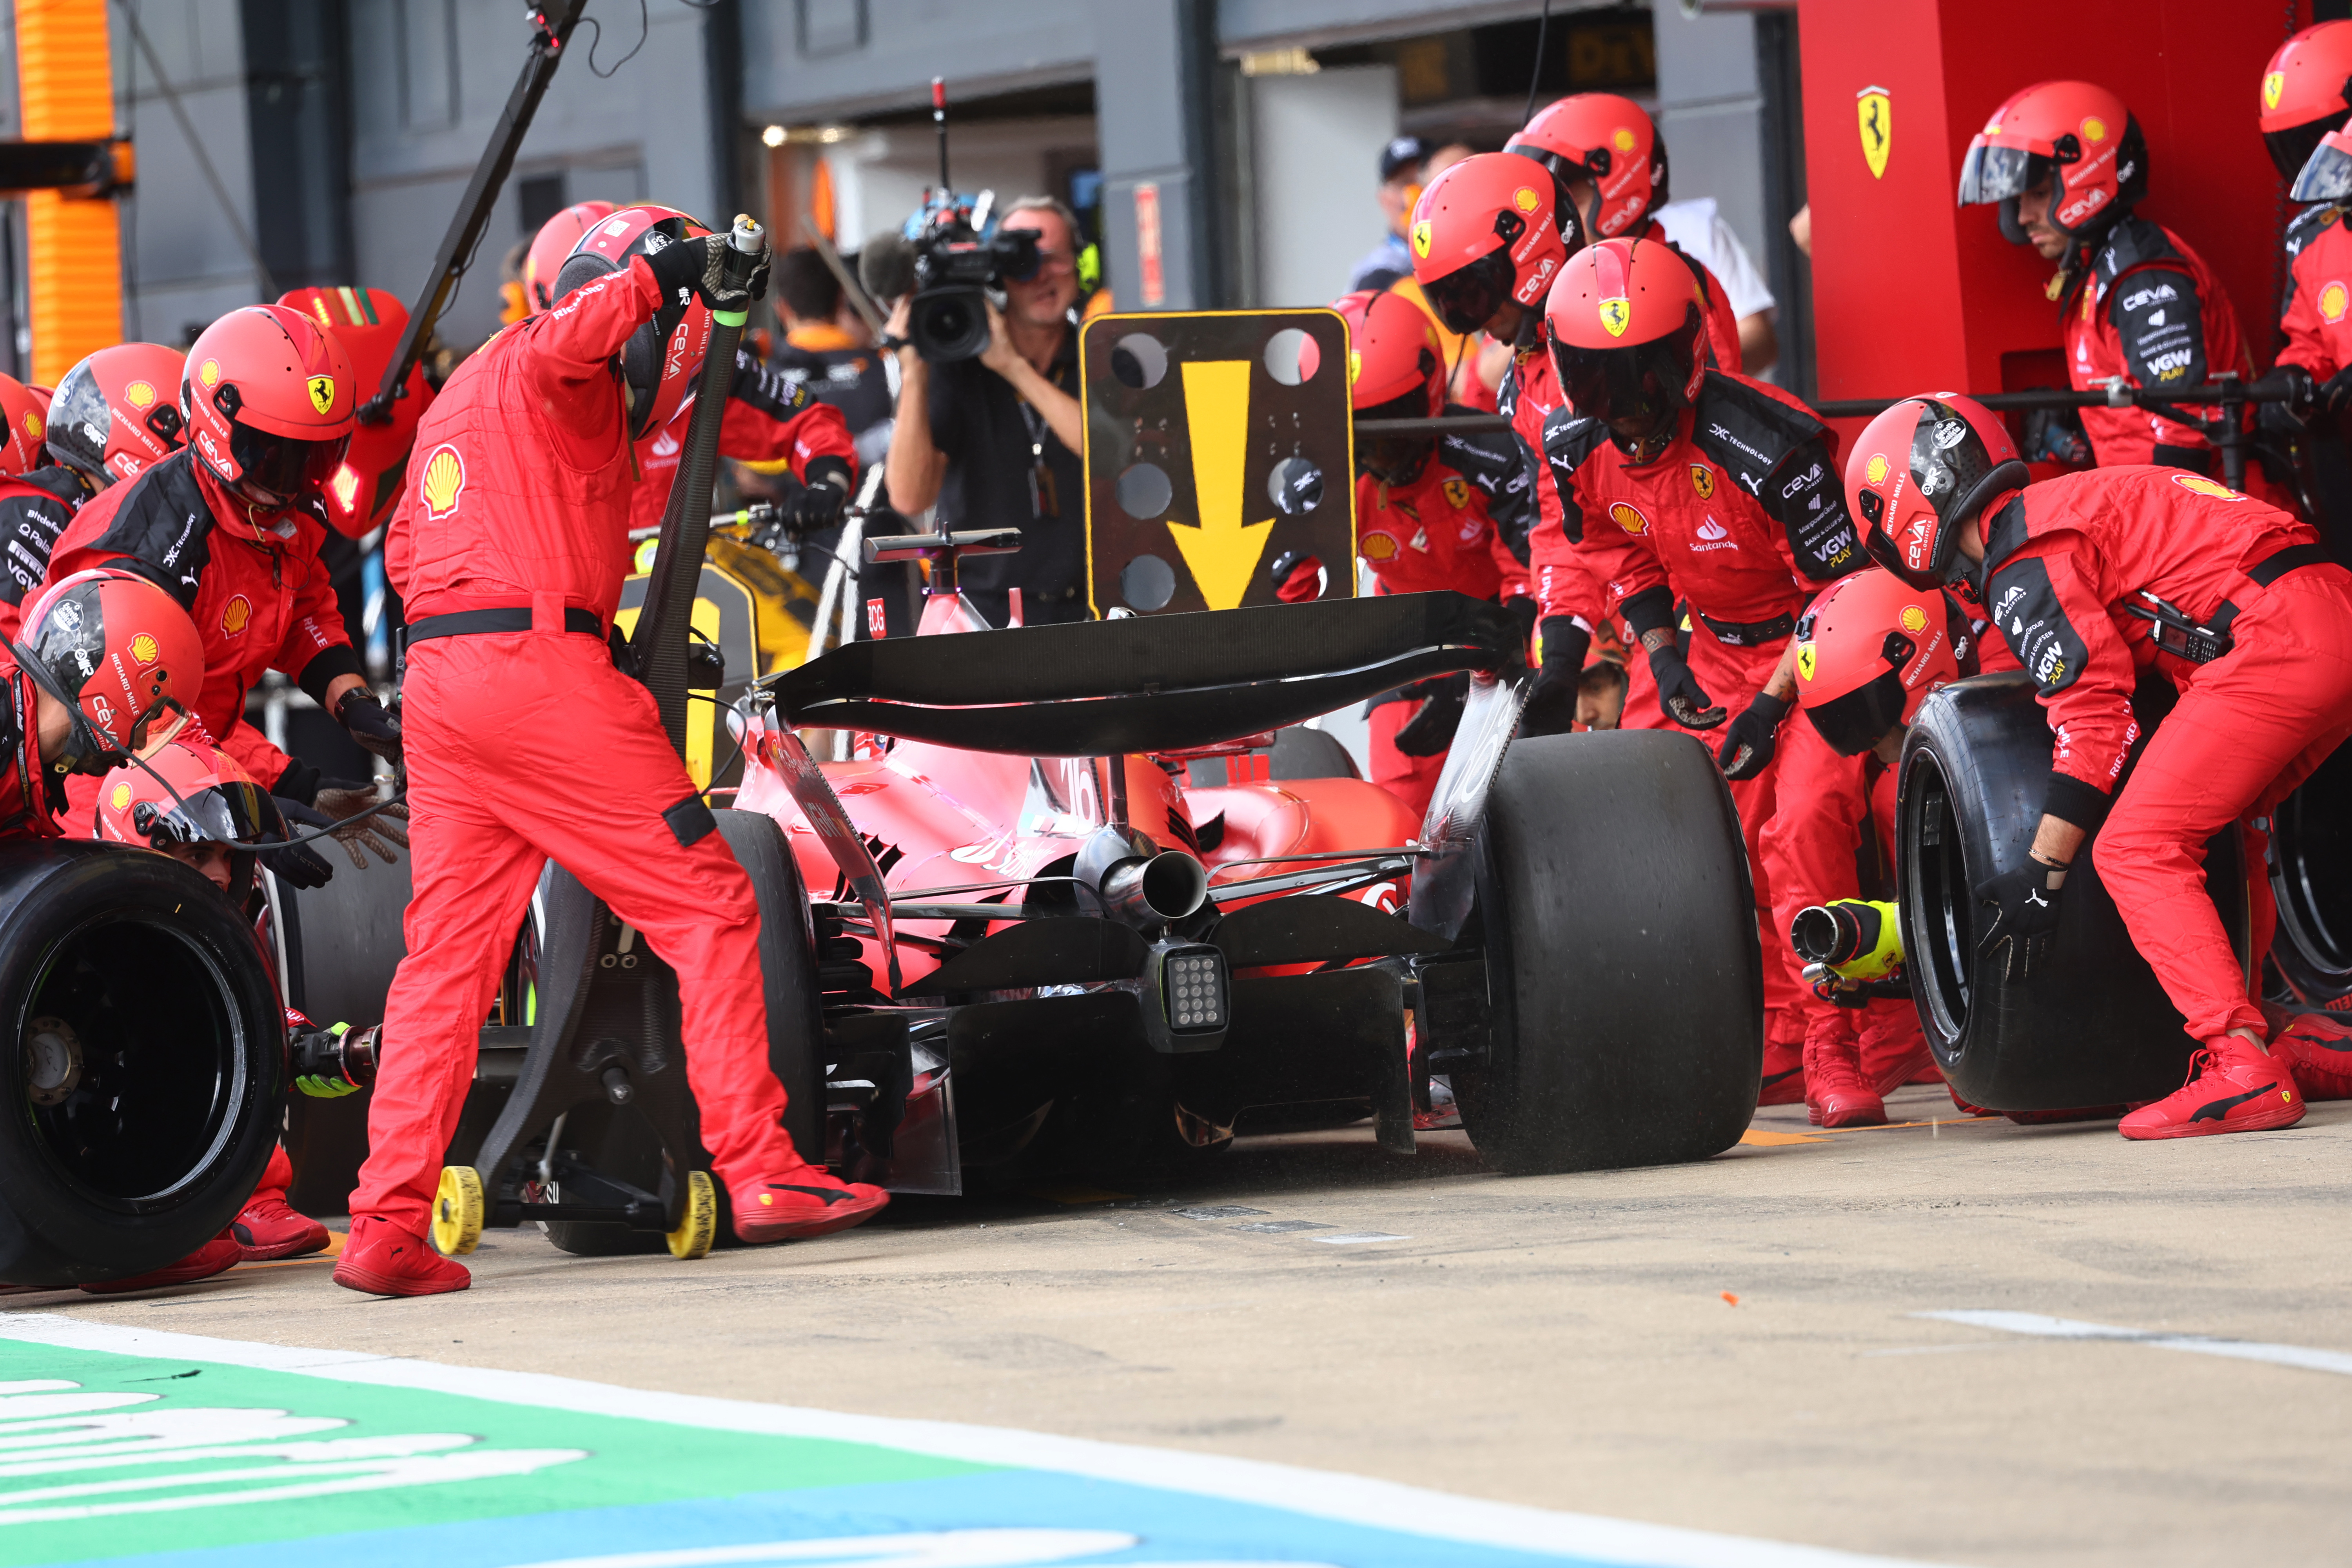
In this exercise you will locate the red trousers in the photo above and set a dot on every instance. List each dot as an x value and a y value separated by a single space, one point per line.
1731 676
2250 727
524 747
1412 779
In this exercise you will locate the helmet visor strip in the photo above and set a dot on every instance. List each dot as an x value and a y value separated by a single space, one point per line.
2326 175
1997 174
1466 298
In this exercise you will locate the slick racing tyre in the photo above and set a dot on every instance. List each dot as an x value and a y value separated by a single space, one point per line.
2311 876
1300 753
1624 980
619 1142
145 1061
2093 1027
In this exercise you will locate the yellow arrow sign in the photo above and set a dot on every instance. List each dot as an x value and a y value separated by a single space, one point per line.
1223 550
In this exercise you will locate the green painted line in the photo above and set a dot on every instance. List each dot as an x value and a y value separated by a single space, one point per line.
105 1456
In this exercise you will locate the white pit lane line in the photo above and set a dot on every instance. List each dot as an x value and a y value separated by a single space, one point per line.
2042 1327
1354 1500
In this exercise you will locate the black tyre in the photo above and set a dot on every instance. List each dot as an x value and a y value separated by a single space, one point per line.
1626 985
1300 753
340 946
2311 875
2094 1027
145 1062
620 1144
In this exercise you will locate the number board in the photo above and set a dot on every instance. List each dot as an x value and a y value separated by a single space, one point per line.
1217 442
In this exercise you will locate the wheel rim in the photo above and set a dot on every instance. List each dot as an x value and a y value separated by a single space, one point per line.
132 1062
2311 876
1939 938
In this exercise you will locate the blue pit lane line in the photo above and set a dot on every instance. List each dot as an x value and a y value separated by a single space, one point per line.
121 1446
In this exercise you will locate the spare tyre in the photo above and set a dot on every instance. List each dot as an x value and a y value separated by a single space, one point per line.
1624 983
146 1056
2311 876
2093 1027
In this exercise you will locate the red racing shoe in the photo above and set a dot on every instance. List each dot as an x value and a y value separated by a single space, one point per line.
800 1203
1836 1094
2233 1089
217 1256
268 1228
382 1259
2317 1048
1784 1073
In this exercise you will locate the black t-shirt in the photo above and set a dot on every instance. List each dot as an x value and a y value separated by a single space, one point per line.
851 379
993 453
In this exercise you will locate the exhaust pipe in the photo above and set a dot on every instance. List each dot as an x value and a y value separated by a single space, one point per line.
1152 893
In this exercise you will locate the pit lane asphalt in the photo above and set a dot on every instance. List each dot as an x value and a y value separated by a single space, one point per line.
1566 1341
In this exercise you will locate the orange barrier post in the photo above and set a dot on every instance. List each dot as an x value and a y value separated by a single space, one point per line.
65 82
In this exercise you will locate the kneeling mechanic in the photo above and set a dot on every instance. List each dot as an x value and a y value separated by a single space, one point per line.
523 742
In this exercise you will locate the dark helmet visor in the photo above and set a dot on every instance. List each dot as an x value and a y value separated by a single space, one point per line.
1997 174
1641 381
280 468
1466 298
1854 722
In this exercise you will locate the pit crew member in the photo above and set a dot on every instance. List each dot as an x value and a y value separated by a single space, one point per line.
2092 578
232 525
1610 166
1427 512
526 743
2065 162
1678 481
113 416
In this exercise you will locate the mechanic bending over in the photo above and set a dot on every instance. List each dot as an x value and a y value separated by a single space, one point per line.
2066 163
526 743
1679 482
994 442
2090 577
116 412
231 526
1432 512
185 800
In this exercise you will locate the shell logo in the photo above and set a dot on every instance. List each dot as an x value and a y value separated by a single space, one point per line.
33 425
1805 662
139 394
1703 480
121 798
1526 199
1627 516
209 373
2198 484
1616 315
2273 86
143 649
2094 130
1874 471
1421 238
322 392
2332 300
1913 619
1378 547
444 482
1623 140
236 614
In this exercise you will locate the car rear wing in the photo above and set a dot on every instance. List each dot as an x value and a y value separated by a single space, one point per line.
1094 689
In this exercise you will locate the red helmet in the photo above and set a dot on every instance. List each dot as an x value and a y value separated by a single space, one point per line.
1869 650
27 417
1393 356
113 416
662 358
269 401
118 651
368 323
185 794
1625 326
1918 473
554 242
2306 93
1608 140
2081 129
1483 236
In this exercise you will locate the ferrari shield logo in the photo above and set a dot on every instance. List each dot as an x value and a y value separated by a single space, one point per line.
1703 480
1875 113
1805 660
1421 240
1615 316
2273 86
1457 490
322 394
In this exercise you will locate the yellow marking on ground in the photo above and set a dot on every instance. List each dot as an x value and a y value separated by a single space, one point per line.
1757 1137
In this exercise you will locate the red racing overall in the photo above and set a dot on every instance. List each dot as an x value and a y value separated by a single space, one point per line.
2066 561
528 745
1744 516
768 420
2149 309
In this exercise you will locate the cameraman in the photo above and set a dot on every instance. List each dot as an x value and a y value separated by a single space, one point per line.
994 441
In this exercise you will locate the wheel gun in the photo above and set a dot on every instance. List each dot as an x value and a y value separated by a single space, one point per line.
1852 951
